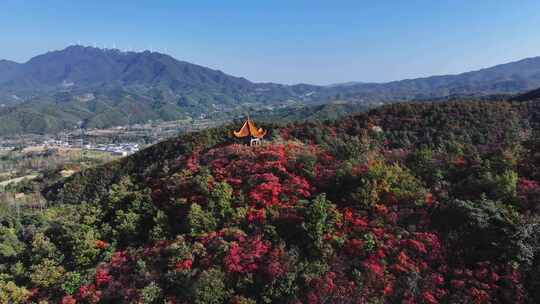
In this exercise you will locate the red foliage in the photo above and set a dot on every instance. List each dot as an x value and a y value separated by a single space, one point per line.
68 300
118 259
429 298
266 193
429 199
256 215
102 277
184 265
374 267
192 162
99 244
246 255
372 241
459 162
529 193
276 263
271 170
89 293
332 288
354 247
527 185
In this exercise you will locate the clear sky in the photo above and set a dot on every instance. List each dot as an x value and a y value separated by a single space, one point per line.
287 41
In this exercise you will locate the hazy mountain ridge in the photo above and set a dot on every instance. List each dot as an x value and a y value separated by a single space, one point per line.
90 67
78 67
71 83
510 78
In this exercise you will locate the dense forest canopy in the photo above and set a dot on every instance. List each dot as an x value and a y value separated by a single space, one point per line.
407 203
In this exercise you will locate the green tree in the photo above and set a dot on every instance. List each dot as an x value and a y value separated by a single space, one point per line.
10 245
43 248
47 274
210 288
199 220
320 216
151 293
10 293
73 281
133 213
382 178
484 230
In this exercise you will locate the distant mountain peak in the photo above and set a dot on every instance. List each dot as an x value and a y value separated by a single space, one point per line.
89 67
7 61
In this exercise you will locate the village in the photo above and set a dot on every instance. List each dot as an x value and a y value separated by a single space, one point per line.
27 158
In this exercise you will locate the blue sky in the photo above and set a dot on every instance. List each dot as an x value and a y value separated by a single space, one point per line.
318 42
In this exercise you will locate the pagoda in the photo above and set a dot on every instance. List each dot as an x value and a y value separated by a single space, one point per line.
249 130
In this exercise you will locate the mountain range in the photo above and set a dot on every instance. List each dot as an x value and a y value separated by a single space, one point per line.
104 87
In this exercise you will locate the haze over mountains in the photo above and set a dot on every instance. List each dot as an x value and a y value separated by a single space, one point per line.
78 67
105 87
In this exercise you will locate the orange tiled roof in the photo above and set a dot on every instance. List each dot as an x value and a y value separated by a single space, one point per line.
249 129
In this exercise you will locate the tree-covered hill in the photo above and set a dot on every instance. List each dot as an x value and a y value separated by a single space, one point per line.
407 203
530 95
98 109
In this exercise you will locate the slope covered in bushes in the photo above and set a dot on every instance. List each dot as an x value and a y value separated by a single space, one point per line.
409 203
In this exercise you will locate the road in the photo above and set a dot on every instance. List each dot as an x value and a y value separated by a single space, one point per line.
18 179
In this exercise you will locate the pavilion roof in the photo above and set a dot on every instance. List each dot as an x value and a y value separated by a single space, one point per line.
249 129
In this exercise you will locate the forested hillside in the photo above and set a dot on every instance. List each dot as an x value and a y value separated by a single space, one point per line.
407 203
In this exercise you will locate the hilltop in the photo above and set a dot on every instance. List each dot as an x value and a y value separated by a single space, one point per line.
412 202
